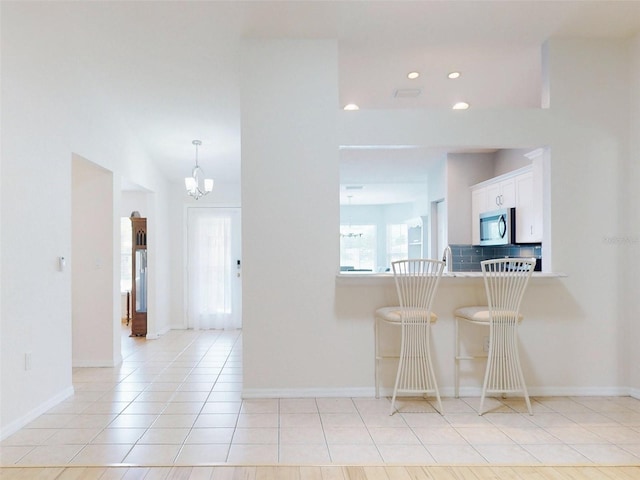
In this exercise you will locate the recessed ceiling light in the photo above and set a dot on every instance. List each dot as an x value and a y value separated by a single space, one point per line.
461 106
351 107
453 75
413 75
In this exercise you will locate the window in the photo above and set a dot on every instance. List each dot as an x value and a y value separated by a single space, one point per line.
397 242
358 247
374 236
372 248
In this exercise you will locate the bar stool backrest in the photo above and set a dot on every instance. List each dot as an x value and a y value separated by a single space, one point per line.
416 283
505 281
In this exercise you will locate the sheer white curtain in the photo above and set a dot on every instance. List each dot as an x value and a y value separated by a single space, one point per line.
213 281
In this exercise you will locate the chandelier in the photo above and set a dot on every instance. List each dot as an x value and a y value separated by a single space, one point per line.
350 234
197 185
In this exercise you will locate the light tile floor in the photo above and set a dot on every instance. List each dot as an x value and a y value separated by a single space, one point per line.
177 401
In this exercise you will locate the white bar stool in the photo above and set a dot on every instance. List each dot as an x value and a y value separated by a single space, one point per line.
505 281
416 283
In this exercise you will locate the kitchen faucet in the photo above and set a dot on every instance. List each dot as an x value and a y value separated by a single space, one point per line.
446 258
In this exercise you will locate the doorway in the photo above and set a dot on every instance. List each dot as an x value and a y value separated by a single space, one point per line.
213 284
438 229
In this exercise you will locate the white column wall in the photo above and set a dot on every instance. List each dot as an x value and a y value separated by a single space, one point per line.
631 218
589 88
293 341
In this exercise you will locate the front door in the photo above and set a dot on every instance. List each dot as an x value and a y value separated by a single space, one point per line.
213 295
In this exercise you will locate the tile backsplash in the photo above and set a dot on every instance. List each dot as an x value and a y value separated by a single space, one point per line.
467 258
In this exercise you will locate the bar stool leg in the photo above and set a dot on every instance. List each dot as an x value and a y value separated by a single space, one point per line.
456 369
433 378
377 359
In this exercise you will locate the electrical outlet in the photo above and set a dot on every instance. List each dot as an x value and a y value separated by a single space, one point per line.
485 344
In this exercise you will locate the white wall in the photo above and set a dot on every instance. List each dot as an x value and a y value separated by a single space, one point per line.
568 320
463 170
437 187
630 218
293 341
47 116
133 200
92 266
36 296
509 159
589 143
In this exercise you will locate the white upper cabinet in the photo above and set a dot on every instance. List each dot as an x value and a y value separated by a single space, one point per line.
521 189
529 205
495 195
506 194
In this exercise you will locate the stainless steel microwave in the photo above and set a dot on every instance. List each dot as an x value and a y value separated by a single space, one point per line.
498 227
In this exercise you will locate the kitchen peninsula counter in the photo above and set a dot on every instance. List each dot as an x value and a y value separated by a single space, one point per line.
546 305
362 277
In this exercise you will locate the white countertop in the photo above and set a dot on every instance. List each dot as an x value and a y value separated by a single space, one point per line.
363 276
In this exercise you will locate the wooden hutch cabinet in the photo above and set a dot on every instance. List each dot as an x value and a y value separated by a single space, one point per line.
139 277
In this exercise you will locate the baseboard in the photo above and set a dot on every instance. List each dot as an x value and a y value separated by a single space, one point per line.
444 392
307 392
543 391
579 391
178 327
158 334
17 424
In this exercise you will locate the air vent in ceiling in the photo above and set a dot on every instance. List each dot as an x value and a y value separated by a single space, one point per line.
407 92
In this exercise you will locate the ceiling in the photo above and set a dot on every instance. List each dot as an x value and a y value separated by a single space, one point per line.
170 68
